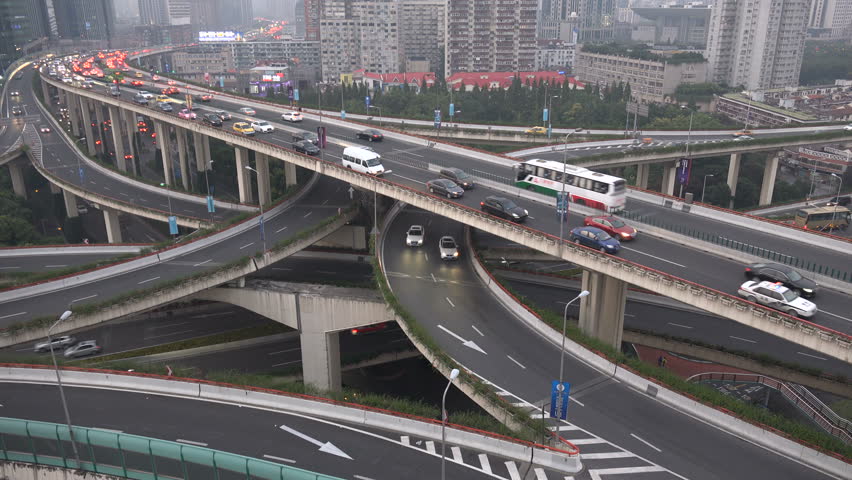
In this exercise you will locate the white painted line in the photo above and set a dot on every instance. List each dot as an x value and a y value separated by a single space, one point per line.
359 477
284 269
596 474
168 334
502 393
307 214
169 325
219 314
679 325
430 447
200 444
405 440
516 362
102 429
434 280
286 363
836 315
53 266
539 474
84 298
409 179
450 302
577 402
812 356
513 470
285 460
587 441
646 442
8 268
202 263
284 351
280 229
743 339
247 245
457 456
655 257
486 465
477 331
324 202
122 193
146 281
563 428
602 456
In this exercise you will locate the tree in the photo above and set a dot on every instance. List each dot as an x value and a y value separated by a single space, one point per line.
15 231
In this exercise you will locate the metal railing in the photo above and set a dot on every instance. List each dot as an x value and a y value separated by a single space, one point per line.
826 411
792 394
132 456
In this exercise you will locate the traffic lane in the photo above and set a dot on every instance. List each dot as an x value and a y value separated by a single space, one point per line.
609 409
283 356
687 324
241 430
318 270
308 212
47 263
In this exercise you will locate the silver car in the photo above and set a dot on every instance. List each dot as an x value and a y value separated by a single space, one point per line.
58 342
415 235
449 248
87 347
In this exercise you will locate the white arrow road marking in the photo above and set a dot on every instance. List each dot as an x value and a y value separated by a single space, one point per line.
486 465
326 447
466 343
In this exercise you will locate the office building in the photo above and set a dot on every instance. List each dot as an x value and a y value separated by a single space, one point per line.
221 14
551 13
86 20
831 18
554 55
757 43
672 25
313 14
299 21
596 20
165 12
359 34
490 35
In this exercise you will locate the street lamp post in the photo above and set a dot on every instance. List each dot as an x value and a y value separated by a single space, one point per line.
839 185
453 374
380 113
564 327
62 318
562 215
169 196
704 185
550 114
207 183
260 201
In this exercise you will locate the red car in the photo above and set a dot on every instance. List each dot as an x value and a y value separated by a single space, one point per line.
137 83
613 226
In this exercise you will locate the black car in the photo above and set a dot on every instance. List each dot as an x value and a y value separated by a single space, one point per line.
17 111
212 119
459 176
841 201
442 186
370 134
166 107
306 137
306 147
223 115
140 99
503 207
789 277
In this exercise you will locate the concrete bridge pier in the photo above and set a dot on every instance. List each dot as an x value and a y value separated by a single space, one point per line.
264 193
70 204
117 138
45 92
99 116
201 144
321 359
669 177
243 179
74 114
19 186
642 172
184 165
113 226
165 145
129 126
87 126
768 187
602 311
733 175
289 174
63 97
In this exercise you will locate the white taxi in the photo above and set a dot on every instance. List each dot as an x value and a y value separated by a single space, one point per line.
777 296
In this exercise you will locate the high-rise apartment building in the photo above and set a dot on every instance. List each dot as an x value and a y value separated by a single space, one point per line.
422 25
221 14
85 19
490 35
313 14
165 12
757 43
551 13
832 16
359 34
596 19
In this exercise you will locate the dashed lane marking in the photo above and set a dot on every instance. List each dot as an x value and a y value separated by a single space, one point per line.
606 455
587 441
190 442
430 447
516 362
645 442
812 356
405 440
742 339
285 460
477 331
457 456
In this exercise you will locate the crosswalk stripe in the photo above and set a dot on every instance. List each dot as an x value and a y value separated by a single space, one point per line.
586 441
457 454
562 428
602 456
539 474
513 470
486 465
430 447
596 474
405 440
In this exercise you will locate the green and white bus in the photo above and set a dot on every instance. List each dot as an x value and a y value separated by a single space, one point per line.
583 186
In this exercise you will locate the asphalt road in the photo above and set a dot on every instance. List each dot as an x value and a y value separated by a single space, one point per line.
378 455
46 263
631 430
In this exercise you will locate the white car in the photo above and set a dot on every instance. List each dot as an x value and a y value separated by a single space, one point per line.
777 296
848 128
449 248
58 342
262 126
247 111
292 116
414 236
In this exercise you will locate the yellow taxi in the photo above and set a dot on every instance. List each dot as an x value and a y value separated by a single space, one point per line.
742 133
164 98
139 75
244 128
536 131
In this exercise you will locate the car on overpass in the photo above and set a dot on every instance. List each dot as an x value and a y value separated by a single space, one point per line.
244 128
204 97
743 133
596 238
848 127
784 274
17 111
370 135
212 119
459 176
503 207
223 115
535 131
292 116
247 111
442 186
58 342
448 248
262 126
306 147
15 93
44 129
165 106
83 349
612 225
187 114
777 296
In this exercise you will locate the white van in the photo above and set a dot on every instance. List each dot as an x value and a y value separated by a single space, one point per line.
363 161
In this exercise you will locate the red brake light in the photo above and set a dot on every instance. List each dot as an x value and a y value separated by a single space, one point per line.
748 269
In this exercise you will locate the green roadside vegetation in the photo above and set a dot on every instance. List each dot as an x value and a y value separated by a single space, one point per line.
825 62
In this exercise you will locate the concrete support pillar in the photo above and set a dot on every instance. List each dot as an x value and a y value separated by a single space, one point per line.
63 97
164 144
113 227
733 175
669 177
184 165
117 137
74 115
264 192
19 186
130 132
45 92
87 126
602 311
642 171
200 143
289 173
70 203
99 117
768 187
321 359
243 180
54 189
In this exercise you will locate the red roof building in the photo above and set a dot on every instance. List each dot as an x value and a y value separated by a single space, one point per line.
489 80
383 81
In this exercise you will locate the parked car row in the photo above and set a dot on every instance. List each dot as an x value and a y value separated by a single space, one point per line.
72 348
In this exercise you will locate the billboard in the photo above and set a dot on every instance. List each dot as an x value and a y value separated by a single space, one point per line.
220 36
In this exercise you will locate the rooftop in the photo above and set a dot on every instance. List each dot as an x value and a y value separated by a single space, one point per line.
781 111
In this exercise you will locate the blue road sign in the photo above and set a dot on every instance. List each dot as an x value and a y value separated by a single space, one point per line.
296 94
367 101
561 202
545 114
343 114
437 118
82 174
559 399
221 82
211 206
452 109
173 227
